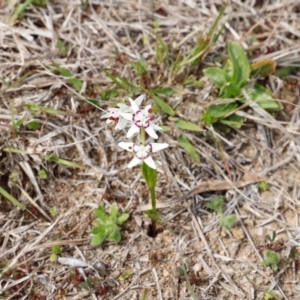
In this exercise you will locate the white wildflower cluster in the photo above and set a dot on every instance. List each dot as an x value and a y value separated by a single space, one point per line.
139 119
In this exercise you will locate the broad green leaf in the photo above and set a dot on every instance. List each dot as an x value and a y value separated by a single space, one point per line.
188 126
114 212
98 239
163 91
215 112
113 232
230 90
11 198
165 128
217 75
271 259
150 175
122 218
234 121
166 108
98 229
189 148
33 125
101 214
241 67
264 98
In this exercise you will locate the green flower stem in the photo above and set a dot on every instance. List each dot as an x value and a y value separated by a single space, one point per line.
153 199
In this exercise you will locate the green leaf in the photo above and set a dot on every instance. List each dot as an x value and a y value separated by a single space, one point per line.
241 66
216 204
11 198
125 275
56 249
217 111
33 125
140 67
114 212
188 126
101 214
271 259
189 148
122 218
217 75
164 91
166 108
234 121
264 98
53 257
61 161
150 175
113 233
227 221
154 215
192 81
230 91
77 84
98 239
108 94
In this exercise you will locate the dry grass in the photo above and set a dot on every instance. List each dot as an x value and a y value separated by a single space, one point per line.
221 265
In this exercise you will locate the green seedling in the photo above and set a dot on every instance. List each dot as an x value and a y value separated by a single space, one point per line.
42 174
55 251
108 225
21 8
271 295
230 79
225 221
263 186
125 275
183 275
53 212
271 259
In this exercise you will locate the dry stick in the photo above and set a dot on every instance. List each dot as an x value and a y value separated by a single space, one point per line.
210 185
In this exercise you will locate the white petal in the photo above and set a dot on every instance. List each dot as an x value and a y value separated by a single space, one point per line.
126 146
122 106
150 162
121 123
132 130
154 126
135 161
139 100
133 105
126 116
151 132
158 146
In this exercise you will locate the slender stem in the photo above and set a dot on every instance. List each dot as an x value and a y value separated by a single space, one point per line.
153 200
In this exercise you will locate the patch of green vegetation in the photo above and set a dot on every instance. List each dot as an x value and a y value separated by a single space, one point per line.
225 221
271 259
55 251
230 79
108 225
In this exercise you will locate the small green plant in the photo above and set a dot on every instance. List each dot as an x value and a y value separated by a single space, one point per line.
125 275
55 251
230 79
21 8
271 295
53 211
263 186
271 259
183 275
225 221
108 225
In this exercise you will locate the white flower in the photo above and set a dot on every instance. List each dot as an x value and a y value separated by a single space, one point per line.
142 153
115 114
141 118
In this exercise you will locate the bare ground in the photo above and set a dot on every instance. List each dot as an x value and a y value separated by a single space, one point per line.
98 36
